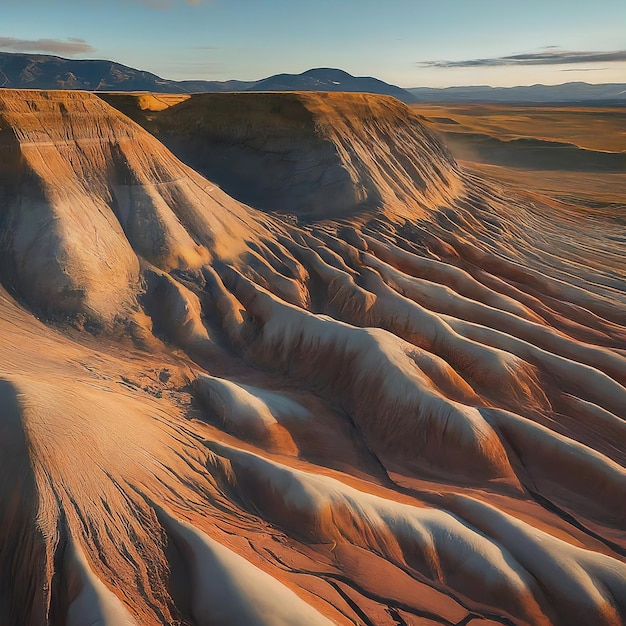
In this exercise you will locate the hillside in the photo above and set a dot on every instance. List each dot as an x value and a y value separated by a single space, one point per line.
40 71
408 411
312 155
112 179
574 93
327 79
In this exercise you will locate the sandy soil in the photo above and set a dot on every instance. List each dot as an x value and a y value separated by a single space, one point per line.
403 408
577 154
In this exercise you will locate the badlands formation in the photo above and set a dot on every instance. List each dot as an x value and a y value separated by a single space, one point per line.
276 359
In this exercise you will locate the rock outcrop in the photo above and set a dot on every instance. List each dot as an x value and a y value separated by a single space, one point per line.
311 155
410 411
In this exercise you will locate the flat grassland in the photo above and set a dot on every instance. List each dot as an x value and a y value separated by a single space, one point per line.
575 154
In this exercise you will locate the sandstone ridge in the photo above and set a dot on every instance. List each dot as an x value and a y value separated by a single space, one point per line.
406 407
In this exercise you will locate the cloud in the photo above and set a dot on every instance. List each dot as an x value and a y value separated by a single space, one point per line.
550 56
583 69
69 46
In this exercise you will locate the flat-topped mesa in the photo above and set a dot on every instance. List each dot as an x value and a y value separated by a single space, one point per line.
89 193
317 155
405 414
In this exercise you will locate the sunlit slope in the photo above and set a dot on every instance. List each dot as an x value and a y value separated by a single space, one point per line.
87 192
411 412
313 155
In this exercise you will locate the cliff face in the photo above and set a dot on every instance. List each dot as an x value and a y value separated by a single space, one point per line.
51 217
314 155
88 193
411 411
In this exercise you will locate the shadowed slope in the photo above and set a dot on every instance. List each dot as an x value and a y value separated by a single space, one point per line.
87 192
412 416
313 155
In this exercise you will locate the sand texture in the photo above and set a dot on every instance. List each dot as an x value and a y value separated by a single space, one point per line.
278 359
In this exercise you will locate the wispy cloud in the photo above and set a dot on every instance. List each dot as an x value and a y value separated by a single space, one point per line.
583 69
69 46
549 56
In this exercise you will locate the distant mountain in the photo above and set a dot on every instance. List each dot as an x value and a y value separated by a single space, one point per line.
40 71
565 93
328 79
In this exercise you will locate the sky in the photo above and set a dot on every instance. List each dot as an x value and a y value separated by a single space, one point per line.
411 43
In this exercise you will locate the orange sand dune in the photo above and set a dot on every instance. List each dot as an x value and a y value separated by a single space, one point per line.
385 391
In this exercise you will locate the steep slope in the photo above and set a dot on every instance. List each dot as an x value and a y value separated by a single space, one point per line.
312 155
86 191
412 413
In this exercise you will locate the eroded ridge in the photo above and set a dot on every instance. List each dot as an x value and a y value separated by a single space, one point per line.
409 413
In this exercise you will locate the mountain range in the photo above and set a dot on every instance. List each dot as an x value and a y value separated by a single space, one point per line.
40 71
610 93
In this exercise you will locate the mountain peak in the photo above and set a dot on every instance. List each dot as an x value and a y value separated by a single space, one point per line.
40 71
327 71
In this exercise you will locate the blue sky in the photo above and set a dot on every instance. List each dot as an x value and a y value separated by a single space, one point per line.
406 42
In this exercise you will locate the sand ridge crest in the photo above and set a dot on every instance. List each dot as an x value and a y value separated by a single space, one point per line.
410 410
